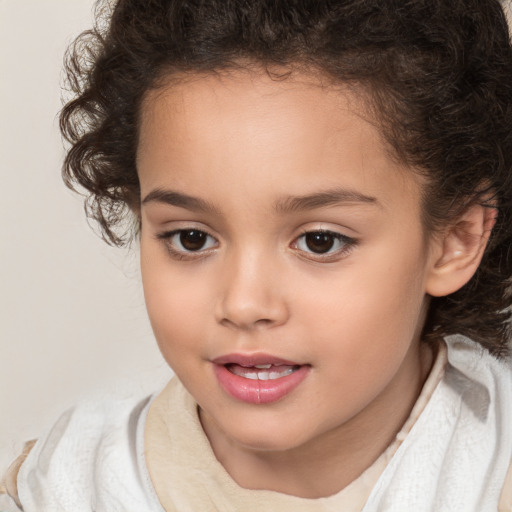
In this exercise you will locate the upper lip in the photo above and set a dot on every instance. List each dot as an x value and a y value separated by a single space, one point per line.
249 360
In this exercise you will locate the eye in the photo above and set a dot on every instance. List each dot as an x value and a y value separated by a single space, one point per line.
323 243
186 242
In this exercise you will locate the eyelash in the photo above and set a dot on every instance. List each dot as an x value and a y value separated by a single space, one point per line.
346 245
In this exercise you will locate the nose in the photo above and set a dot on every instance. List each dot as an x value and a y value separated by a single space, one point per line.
252 296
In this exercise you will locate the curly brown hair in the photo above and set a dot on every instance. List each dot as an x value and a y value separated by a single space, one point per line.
438 77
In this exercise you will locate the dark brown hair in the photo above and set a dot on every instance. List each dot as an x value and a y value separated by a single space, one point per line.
438 74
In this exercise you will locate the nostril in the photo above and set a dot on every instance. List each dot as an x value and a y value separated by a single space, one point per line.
264 322
239 324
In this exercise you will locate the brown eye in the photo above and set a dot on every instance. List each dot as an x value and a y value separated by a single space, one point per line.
183 243
319 241
193 239
323 244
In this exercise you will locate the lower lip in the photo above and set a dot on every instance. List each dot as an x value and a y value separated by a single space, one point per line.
259 391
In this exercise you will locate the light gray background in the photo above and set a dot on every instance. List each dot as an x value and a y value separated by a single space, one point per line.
72 318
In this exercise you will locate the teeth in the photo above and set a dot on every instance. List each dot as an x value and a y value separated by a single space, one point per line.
260 372
277 375
249 375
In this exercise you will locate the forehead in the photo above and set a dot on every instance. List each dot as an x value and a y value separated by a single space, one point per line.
253 104
251 133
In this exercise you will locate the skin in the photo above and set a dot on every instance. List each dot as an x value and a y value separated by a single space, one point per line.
244 144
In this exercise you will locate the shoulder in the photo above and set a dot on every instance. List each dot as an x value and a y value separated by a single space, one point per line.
9 483
485 383
91 454
460 447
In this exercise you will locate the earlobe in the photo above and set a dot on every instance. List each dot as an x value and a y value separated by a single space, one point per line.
458 252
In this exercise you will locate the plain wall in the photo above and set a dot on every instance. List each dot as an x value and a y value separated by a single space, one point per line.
72 316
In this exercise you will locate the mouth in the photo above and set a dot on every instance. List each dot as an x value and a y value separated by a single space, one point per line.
259 378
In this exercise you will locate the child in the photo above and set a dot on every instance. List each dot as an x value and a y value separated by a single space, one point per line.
322 192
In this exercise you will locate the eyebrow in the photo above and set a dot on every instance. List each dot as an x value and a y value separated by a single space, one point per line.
173 198
290 204
333 197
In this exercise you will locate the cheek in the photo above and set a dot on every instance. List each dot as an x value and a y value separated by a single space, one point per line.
174 304
371 312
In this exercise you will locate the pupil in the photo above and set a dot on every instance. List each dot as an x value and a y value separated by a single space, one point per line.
193 240
319 242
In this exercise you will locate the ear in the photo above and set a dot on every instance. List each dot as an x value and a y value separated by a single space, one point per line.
457 253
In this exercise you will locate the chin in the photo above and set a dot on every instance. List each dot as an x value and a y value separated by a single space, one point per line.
258 438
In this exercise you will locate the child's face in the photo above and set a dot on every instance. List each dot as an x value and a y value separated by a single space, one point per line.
277 228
